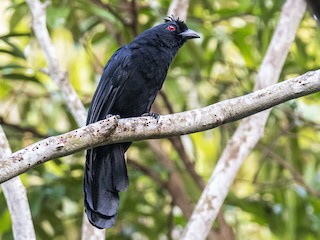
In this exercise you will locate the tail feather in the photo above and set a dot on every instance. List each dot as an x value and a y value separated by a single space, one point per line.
99 220
119 169
104 176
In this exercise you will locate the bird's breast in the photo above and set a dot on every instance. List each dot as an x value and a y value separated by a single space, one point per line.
146 77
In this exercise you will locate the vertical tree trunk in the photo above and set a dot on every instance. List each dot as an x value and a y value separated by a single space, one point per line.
16 198
250 129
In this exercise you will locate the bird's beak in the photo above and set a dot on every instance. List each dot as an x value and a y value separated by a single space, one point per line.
189 34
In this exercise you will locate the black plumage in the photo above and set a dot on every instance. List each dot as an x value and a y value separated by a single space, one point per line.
128 86
314 6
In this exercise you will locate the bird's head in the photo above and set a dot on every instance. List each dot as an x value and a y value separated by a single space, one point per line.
176 31
173 33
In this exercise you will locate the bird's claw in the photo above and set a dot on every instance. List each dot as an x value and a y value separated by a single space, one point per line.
112 115
152 114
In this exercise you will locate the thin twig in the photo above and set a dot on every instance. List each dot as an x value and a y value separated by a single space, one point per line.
147 171
31 130
111 10
296 175
134 17
175 184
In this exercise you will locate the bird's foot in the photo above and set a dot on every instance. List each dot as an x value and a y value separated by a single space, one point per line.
112 115
152 114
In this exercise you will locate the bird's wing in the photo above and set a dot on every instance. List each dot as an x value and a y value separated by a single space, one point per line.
111 83
105 170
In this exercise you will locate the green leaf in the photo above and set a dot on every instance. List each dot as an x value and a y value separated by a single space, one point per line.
11 66
18 76
15 34
20 11
13 49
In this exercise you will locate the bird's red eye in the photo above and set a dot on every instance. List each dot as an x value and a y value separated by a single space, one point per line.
171 28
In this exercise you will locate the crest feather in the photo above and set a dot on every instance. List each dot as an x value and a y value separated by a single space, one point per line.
172 18
180 23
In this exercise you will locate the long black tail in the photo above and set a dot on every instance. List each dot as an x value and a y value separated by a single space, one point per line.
105 175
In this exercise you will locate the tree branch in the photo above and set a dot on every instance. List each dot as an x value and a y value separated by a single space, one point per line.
179 8
250 130
72 100
175 185
16 198
147 171
297 177
113 130
31 130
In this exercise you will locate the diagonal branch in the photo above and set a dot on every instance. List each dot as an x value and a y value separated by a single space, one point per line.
72 100
113 130
298 178
19 128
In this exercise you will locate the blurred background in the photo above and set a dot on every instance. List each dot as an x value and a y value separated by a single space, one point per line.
276 194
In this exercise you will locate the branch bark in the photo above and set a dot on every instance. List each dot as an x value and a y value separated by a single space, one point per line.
16 198
113 130
179 8
249 131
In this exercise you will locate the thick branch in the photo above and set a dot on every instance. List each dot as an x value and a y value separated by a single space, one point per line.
112 130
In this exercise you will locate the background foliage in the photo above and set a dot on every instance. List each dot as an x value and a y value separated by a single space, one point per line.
276 193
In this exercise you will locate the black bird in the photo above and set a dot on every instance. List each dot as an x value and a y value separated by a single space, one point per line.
128 86
314 6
